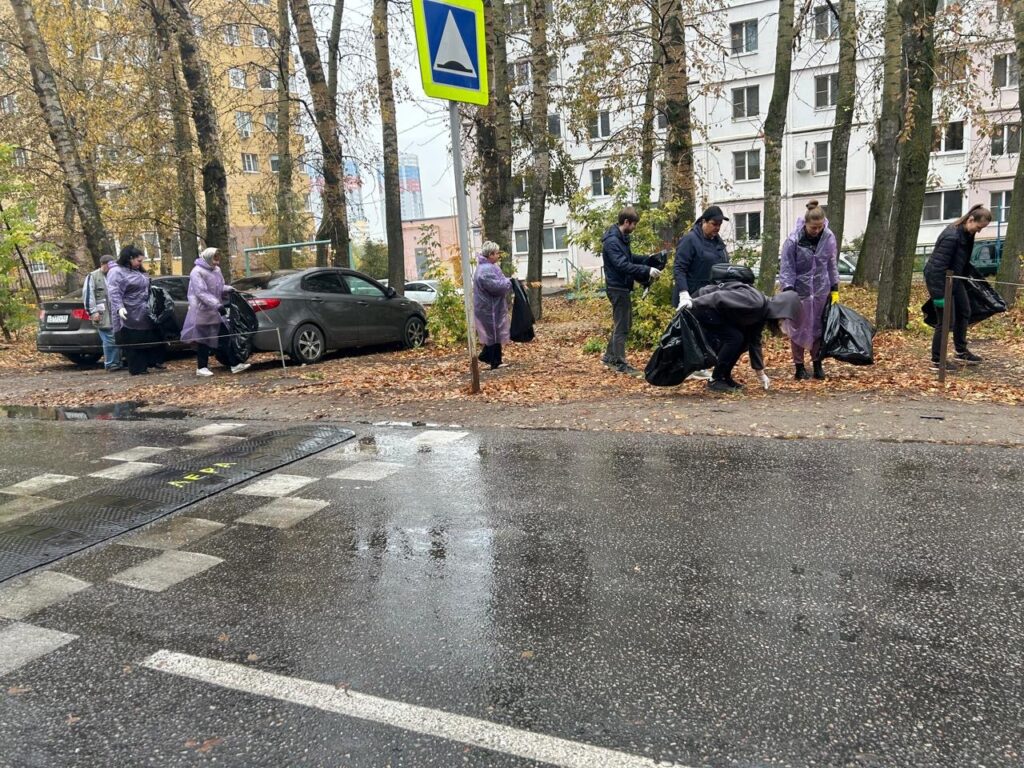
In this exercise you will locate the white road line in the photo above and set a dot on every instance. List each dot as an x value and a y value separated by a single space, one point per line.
213 429
126 470
276 485
367 470
38 483
213 443
345 453
173 534
23 505
409 717
28 594
283 513
23 643
136 454
438 437
165 570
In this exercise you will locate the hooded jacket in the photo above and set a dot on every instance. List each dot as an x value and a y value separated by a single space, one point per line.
695 255
621 268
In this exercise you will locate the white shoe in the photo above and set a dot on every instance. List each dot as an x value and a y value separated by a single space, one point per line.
702 375
240 367
204 372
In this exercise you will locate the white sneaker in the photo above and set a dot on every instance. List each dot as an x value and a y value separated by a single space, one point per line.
240 367
204 372
701 375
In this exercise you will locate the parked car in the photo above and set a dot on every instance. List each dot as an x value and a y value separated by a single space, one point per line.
847 266
422 291
986 256
324 308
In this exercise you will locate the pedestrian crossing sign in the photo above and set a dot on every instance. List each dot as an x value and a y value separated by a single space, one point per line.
452 49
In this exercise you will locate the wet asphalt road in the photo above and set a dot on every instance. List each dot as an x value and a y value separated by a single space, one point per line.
702 602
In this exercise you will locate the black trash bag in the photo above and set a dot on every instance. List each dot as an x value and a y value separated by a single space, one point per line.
161 311
847 336
521 329
982 297
682 350
727 273
238 324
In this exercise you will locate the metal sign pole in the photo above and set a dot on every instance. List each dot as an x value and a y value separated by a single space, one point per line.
463 213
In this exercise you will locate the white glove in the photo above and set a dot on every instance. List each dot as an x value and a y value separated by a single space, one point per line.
685 302
655 273
122 313
763 377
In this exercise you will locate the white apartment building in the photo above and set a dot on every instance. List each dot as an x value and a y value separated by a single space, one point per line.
974 161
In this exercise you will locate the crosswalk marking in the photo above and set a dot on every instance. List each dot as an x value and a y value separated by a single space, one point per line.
165 570
438 437
213 443
283 513
367 470
136 454
23 643
20 506
345 453
410 717
126 470
28 594
38 483
173 534
276 485
213 429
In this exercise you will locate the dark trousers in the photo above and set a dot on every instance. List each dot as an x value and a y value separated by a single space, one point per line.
622 320
139 358
959 320
729 341
203 352
490 354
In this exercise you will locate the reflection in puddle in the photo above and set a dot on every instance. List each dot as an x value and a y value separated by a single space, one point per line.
127 411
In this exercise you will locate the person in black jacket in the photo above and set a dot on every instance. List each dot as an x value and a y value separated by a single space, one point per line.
698 250
953 251
621 270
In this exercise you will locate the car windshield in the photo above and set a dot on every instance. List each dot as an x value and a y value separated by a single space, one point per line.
259 282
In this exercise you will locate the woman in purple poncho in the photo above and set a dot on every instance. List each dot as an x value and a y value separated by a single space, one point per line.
809 267
134 331
206 306
491 290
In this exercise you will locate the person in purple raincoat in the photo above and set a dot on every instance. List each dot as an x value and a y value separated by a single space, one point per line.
134 331
809 267
206 305
491 290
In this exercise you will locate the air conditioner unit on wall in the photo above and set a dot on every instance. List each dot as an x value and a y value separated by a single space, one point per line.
803 165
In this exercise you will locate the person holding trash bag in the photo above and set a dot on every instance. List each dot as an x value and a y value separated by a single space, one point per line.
809 266
621 270
953 251
733 316
490 305
134 330
206 309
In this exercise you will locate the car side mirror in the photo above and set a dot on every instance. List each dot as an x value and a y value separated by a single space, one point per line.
390 292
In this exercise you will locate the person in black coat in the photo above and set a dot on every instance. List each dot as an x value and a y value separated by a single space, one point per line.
953 251
621 271
698 250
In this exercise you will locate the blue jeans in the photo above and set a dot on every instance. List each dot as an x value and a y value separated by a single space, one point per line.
111 352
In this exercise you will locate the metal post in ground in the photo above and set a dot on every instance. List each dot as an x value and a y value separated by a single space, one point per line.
463 211
947 310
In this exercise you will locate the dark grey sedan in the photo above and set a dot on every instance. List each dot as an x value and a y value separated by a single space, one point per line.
325 308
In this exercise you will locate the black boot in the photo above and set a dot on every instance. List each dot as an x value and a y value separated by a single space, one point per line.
801 372
819 372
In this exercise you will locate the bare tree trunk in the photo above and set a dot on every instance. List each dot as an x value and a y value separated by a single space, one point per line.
877 238
389 134
677 182
494 138
840 144
285 197
335 221
774 128
650 112
540 178
1013 246
333 46
919 50
44 83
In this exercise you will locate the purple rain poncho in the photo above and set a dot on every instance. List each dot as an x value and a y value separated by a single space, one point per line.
812 273
490 304
205 296
128 288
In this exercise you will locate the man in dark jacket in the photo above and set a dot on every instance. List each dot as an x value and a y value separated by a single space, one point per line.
698 250
621 270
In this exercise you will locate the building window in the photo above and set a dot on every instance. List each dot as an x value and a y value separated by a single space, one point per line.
250 162
1002 6
96 51
243 122
951 67
601 182
8 106
554 239
519 187
745 102
1000 205
600 125
822 151
661 121
949 138
254 203
555 125
1006 140
826 23
20 157
515 16
519 74
275 163
236 77
270 121
744 36
747 165
826 90
1006 71
747 226
268 80
260 37
231 35
943 206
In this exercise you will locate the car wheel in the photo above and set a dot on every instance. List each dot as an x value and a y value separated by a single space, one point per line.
415 333
308 345
83 358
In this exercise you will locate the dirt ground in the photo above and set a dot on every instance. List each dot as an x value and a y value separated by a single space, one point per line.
553 384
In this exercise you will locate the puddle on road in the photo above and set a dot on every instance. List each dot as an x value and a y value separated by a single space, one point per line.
127 411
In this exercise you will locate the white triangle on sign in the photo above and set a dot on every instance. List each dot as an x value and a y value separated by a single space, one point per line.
452 55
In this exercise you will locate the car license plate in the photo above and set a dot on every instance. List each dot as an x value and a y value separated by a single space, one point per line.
56 319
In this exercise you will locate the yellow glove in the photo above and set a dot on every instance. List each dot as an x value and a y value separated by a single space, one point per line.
834 296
